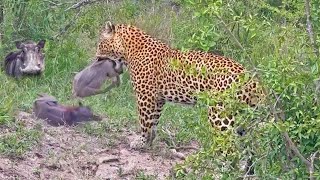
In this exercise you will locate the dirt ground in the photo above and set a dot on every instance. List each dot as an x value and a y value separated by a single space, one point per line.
65 153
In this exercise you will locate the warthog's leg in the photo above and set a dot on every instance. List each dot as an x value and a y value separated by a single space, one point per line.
115 83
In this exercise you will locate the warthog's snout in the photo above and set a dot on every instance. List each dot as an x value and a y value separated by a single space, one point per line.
31 69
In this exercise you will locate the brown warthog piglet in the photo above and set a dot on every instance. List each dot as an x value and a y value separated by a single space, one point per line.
47 107
88 82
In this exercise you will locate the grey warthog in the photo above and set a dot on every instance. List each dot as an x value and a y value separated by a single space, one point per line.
47 107
28 60
88 82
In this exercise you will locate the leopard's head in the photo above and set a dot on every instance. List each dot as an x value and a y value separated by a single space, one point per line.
110 43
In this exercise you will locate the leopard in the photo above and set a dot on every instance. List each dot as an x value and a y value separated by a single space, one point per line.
156 81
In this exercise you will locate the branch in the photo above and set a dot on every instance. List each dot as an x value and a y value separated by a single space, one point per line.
1 12
310 29
317 91
231 34
53 3
311 168
82 3
278 105
1 21
295 150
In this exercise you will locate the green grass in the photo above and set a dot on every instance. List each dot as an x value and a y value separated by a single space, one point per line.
15 138
141 176
16 144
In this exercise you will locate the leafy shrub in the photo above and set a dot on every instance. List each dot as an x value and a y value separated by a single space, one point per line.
269 38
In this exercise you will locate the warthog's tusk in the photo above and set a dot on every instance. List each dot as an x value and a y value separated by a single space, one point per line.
29 69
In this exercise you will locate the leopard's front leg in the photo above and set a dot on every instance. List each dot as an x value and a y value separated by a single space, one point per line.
150 107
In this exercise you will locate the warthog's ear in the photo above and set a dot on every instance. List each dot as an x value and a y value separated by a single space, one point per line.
41 43
110 28
19 44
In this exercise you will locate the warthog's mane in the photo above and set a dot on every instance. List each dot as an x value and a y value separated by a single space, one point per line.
11 59
11 56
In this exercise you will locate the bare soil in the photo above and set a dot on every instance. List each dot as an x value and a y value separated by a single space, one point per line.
67 153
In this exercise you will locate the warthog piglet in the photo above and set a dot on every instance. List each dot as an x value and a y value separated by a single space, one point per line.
89 81
47 107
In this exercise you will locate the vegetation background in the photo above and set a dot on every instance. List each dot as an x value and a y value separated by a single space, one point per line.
278 40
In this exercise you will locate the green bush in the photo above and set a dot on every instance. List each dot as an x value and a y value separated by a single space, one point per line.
269 38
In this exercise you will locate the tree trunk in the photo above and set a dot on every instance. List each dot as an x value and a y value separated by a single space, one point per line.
1 20
310 29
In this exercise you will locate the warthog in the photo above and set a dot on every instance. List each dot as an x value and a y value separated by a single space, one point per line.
47 107
28 60
88 82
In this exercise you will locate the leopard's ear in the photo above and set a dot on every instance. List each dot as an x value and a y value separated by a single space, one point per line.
110 28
